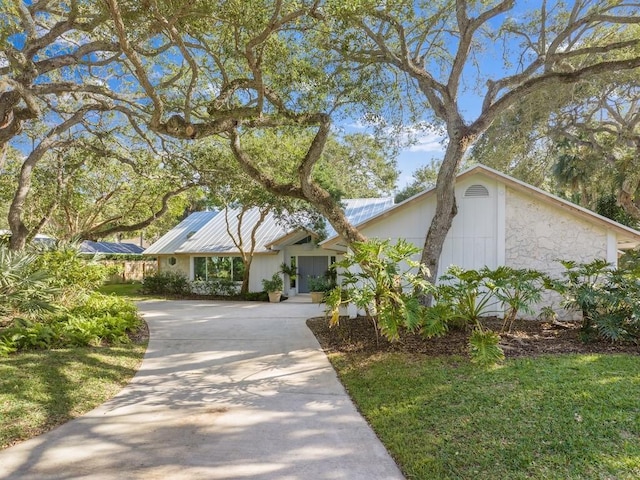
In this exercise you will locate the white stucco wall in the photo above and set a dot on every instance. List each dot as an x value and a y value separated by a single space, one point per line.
263 266
505 228
472 241
182 264
537 234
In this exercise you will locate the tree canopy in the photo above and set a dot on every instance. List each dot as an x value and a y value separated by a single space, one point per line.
176 72
450 49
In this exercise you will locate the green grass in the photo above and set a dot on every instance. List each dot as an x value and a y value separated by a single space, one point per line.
557 417
128 290
40 390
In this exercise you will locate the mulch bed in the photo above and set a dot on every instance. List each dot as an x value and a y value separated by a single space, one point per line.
141 335
528 338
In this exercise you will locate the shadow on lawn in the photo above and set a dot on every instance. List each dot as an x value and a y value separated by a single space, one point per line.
44 389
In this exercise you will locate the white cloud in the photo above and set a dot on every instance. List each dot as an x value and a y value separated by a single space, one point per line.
423 138
428 142
413 140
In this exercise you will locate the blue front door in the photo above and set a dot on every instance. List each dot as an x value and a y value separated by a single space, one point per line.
310 267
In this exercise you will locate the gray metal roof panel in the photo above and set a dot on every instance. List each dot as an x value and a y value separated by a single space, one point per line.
214 238
358 210
211 236
174 238
110 248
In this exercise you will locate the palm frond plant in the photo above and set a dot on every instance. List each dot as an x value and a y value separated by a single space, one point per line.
23 289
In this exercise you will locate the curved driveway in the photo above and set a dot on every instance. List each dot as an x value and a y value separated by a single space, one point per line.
227 390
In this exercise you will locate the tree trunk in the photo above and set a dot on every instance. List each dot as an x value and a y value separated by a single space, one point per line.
333 212
246 259
626 200
19 231
446 208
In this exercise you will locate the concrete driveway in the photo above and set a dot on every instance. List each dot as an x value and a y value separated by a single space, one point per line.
227 390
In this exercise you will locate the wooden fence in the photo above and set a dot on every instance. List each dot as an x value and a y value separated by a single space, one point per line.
131 270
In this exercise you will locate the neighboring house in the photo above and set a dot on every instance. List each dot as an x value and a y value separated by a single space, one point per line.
40 239
125 266
500 221
110 248
201 246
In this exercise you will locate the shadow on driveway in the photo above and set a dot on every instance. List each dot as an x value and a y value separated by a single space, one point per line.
227 390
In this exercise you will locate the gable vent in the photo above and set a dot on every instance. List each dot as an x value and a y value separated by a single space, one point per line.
476 191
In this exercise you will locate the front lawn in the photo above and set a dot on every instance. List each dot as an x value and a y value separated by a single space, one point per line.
539 415
127 290
551 417
42 389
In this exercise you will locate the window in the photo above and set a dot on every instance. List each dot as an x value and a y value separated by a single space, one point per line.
172 261
304 241
206 268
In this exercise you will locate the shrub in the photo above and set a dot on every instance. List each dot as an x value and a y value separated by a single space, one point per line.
609 299
254 296
70 270
215 286
166 283
23 288
376 281
98 320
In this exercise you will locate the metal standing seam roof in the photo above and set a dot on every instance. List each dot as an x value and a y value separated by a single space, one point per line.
357 210
213 237
174 238
110 248
211 230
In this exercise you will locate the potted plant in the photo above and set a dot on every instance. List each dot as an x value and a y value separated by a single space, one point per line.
291 271
273 287
318 287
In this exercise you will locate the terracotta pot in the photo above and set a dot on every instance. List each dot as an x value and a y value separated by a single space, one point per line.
274 297
317 297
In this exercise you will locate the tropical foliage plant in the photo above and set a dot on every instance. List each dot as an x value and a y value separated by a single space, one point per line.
319 283
273 284
464 297
100 318
23 289
47 301
517 290
381 279
468 295
608 298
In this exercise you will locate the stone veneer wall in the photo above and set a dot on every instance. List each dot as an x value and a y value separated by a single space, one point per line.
537 234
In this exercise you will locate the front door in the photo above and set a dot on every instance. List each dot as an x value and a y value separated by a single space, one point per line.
310 267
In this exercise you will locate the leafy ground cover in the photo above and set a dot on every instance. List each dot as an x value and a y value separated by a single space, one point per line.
541 414
40 390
